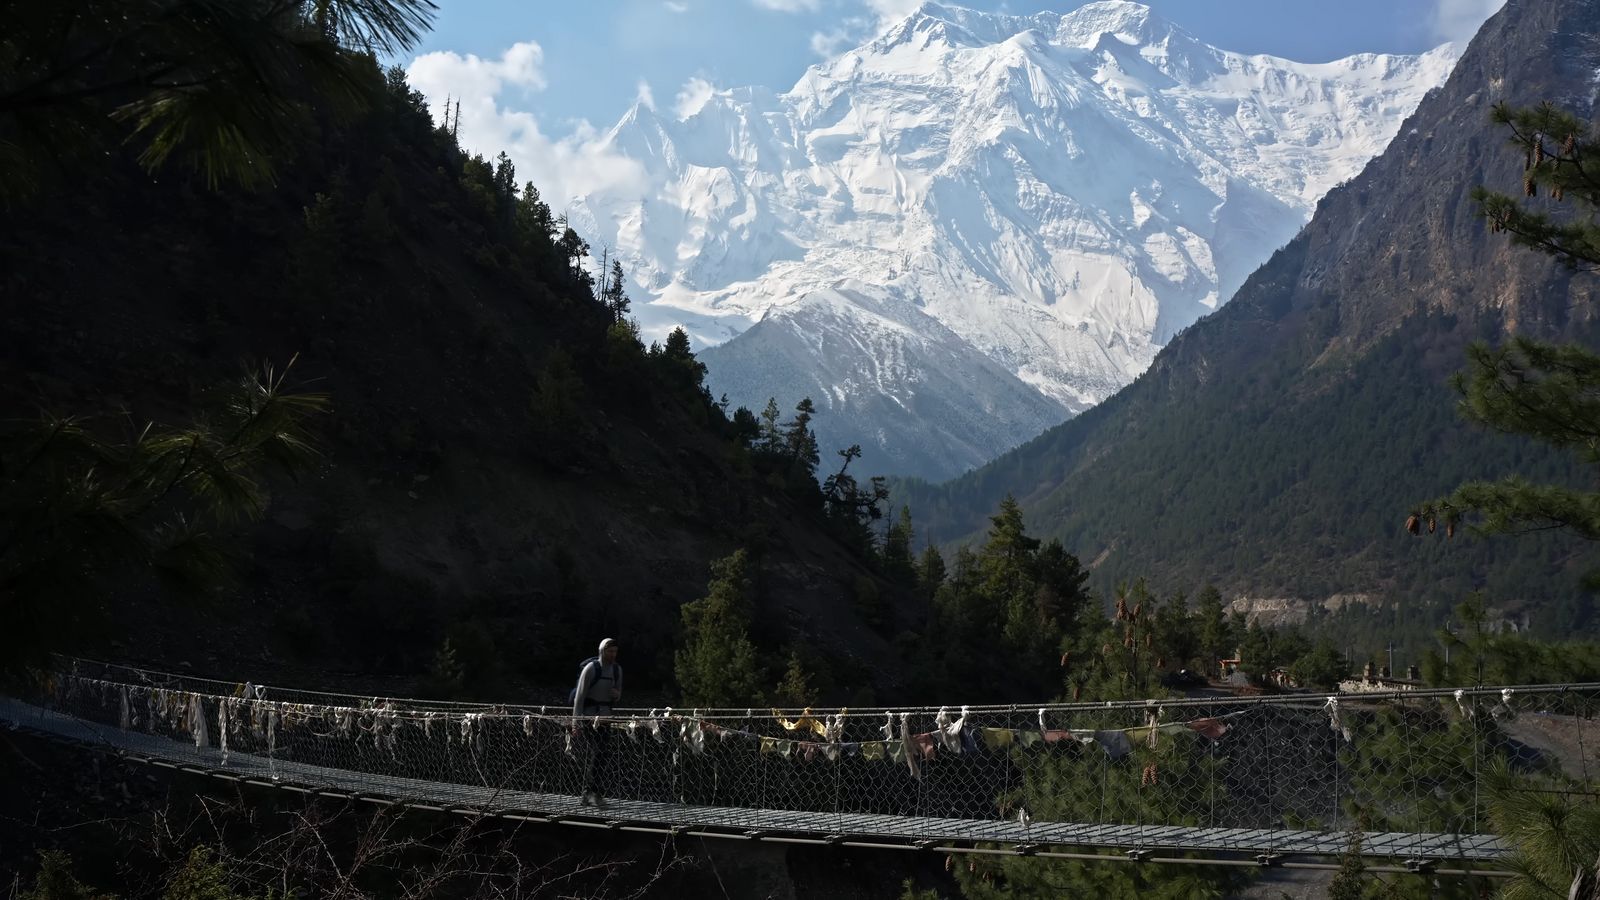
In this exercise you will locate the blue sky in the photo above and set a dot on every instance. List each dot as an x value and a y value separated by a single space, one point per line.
541 77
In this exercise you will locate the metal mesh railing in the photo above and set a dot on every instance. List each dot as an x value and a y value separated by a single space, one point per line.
1289 773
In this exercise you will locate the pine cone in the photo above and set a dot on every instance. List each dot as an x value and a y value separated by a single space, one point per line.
1413 524
1432 524
1528 188
1449 529
1570 145
1556 193
1538 152
1137 610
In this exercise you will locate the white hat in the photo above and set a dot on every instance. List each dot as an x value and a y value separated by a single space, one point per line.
608 642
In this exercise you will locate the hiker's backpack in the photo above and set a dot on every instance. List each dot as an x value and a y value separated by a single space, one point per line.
572 695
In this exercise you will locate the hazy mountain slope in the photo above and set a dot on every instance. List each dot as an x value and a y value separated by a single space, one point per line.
1274 446
1062 192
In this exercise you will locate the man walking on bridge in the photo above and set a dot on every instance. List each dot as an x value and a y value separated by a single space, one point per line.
599 687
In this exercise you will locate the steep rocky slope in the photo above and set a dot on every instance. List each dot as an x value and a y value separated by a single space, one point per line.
1274 446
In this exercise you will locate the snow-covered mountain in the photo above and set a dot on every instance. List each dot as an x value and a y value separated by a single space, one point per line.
972 203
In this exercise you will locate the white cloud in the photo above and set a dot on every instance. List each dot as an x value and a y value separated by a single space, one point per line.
1459 20
789 6
675 6
518 66
644 95
692 97
855 30
891 11
562 167
827 44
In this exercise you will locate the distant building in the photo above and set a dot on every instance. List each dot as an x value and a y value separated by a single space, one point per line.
1375 680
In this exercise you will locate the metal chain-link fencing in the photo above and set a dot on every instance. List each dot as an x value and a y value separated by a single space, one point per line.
1415 770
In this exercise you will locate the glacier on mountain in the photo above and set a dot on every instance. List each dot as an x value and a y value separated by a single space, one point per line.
1042 201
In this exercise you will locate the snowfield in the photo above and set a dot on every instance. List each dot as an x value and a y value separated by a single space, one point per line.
1017 209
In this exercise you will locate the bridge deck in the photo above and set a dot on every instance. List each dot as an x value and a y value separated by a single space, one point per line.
1442 847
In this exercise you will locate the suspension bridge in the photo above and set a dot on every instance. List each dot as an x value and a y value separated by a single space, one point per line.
1272 780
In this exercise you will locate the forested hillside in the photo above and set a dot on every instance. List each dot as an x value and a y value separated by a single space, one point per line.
503 473
1275 448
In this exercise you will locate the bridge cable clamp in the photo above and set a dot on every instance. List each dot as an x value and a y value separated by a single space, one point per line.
1268 859
1420 865
1027 849
1139 854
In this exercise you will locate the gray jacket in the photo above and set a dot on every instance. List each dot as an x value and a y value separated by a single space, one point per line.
595 684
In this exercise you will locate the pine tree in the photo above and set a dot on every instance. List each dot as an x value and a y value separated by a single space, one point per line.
898 563
800 443
220 87
446 678
535 225
930 571
770 440
505 191
716 664
83 517
1548 392
683 370
1215 637
795 688
576 249
615 298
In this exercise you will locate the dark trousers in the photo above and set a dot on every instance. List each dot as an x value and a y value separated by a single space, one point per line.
598 737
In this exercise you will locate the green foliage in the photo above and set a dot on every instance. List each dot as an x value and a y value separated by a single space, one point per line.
1556 836
871 604
992 879
850 506
1556 149
1547 392
898 564
1544 391
559 408
1482 653
319 249
446 680
795 688
202 877
220 87
57 882
1215 638
1014 600
908 891
1349 882
716 662
82 514
1320 669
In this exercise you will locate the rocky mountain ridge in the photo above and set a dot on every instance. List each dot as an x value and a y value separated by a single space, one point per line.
1060 193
